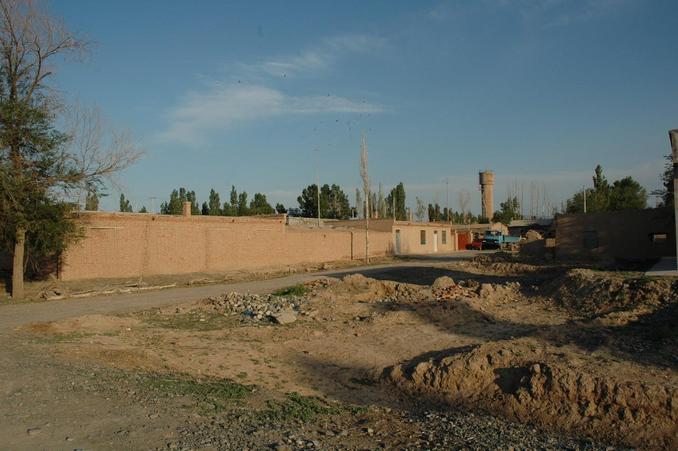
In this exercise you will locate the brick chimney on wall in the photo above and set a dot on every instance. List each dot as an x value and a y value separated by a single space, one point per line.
187 209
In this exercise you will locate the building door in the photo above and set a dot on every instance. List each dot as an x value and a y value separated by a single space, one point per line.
397 242
435 241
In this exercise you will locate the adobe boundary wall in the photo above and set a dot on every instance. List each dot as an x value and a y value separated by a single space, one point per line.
118 245
627 235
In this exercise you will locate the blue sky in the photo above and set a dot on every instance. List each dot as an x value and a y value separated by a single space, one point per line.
221 93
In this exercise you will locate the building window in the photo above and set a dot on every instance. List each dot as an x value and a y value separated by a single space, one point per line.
590 239
444 237
658 237
422 237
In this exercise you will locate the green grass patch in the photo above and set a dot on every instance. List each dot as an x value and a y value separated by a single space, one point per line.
297 407
294 290
216 393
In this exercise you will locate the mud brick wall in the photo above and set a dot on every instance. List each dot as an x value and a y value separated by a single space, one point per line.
136 245
629 235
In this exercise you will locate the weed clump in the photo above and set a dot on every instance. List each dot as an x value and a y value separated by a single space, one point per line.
294 290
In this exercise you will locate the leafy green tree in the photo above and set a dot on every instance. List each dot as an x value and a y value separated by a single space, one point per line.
627 194
242 204
400 210
334 203
338 206
92 201
231 208
38 163
434 213
280 208
205 209
125 206
214 205
143 209
508 211
234 198
308 201
175 205
33 161
623 194
666 192
260 206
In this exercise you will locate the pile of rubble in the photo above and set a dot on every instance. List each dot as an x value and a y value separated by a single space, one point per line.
445 289
321 283
254 307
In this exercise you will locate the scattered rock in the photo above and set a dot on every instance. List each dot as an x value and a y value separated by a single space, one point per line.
254 307
33 431
285 317
442 283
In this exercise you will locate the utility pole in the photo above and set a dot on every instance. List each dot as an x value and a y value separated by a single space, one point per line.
673 138
152 199
316 152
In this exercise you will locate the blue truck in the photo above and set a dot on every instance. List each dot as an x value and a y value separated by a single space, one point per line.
494 239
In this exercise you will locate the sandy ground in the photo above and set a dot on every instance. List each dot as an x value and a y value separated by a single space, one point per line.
481 354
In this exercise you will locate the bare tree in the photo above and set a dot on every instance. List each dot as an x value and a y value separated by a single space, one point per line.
464 199
366 189
420 212
97 151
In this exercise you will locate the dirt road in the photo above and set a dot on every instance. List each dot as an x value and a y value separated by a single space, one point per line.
12 316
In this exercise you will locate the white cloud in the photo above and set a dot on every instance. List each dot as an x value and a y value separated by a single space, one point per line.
315 59
221 107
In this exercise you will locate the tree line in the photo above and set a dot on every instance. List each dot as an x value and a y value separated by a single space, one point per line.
334 203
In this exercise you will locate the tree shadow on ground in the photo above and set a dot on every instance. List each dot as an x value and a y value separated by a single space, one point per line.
426 275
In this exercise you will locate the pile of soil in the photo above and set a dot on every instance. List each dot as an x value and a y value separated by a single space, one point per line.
358 288
595 293
500 264
528 382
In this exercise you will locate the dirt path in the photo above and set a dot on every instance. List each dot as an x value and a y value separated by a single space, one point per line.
12 316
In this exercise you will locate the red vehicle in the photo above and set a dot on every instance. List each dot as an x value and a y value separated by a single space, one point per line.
476 244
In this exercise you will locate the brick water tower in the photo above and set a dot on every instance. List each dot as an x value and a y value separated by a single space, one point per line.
487 194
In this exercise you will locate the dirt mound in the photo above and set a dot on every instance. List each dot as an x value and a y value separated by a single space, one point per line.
530 383
358 288
445 289
594 293
500 264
